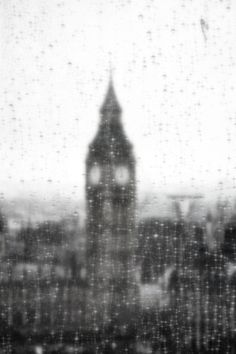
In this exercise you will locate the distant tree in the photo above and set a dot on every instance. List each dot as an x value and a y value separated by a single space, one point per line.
229 244
26 235
3 223
47 233
51 233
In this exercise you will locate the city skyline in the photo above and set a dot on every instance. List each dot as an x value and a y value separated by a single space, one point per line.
173 80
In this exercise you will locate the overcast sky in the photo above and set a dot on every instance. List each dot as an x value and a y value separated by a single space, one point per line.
174 73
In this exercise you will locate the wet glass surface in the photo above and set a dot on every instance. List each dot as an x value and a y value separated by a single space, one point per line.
117 183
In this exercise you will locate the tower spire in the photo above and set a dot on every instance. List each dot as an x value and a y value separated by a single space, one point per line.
110 71
110 103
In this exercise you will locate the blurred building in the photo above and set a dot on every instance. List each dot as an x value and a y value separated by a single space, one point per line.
111 206
159 246
42 283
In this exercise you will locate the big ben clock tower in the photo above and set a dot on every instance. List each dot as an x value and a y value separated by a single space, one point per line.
110 197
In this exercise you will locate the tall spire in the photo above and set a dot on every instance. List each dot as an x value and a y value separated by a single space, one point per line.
110 103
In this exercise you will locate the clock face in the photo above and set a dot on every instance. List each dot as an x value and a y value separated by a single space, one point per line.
95 175
121 175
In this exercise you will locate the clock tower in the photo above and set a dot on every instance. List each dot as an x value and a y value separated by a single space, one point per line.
110 197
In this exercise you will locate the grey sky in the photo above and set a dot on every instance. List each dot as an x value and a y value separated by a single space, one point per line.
174 78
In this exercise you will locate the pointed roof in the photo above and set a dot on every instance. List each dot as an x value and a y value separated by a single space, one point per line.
110 136
110 102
